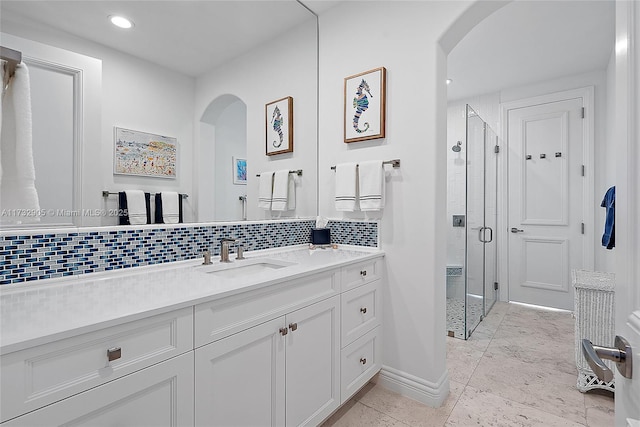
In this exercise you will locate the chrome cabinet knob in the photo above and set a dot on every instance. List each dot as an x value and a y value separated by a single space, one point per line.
293 326
363 360
284 331
363 273
363 310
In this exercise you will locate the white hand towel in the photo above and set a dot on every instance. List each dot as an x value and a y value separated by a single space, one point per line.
346 187
371 185
283 191
170 207
136 207
17 171
265 190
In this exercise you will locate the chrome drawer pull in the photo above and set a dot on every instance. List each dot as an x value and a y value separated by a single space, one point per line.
293 326
114 353
363 360
363 273
363 310
284 331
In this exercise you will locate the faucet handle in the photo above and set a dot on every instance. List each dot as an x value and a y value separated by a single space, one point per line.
207 258
240 251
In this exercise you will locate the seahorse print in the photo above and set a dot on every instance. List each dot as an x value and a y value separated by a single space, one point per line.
277 120
361 104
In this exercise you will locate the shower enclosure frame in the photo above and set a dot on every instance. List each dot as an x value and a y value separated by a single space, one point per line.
480 247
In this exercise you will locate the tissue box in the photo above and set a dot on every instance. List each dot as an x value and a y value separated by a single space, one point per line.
320 236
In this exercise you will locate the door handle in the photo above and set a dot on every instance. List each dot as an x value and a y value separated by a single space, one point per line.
490 235
482 233
594 355
516 230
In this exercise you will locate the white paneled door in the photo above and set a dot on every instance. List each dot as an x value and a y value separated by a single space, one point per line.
545 143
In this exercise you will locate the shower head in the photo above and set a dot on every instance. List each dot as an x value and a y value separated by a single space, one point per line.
456 148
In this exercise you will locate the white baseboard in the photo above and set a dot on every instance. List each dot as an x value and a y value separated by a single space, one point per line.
429 393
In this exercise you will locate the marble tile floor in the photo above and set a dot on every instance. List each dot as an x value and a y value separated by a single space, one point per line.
504 375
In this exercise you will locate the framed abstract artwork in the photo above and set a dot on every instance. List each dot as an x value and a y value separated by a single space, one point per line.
239 170
279 126
364 105
144 154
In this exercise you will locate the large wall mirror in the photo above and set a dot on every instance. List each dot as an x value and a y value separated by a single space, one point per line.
201 72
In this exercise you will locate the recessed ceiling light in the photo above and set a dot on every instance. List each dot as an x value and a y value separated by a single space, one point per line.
449 81
120 21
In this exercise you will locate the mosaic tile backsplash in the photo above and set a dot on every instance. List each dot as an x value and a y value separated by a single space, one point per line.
28 257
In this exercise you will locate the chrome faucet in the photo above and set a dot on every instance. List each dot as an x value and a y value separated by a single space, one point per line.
224 248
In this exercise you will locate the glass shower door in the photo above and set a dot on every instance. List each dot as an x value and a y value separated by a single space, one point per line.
474 252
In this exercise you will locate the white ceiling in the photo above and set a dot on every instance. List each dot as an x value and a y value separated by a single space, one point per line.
191 37
532 41
523 42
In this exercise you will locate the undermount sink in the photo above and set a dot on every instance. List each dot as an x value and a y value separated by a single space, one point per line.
243 268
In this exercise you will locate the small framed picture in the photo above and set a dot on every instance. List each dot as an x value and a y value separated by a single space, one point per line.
239 170
144 154
279 126
364 105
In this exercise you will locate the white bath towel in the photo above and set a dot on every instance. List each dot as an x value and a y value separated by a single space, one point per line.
265 190
17 171
346 187
136 207
170 207
371 185
284 191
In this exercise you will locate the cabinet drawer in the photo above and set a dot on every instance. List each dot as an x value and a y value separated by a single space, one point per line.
221 318
359 274
161 395
44 374
361 309
361 360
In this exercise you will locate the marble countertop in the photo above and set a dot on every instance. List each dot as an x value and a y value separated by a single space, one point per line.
35 314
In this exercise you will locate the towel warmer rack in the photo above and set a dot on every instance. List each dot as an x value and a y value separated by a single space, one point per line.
395 163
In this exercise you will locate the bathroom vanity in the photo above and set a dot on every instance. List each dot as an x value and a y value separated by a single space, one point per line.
281 338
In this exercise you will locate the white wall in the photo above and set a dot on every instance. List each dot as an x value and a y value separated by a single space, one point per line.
403 37
279 68
230 142
136 95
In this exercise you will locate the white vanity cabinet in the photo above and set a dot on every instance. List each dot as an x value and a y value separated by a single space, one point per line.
281 372
287 352
360 327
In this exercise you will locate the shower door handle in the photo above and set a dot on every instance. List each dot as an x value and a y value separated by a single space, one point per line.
482 234
490 235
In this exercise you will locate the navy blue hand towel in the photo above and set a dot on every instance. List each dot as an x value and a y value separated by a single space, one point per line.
609 202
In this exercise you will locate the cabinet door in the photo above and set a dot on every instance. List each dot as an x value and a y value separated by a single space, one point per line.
161 395
240 379
313 357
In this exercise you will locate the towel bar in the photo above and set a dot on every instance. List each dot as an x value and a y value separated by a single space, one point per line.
106 193
297 172
395 163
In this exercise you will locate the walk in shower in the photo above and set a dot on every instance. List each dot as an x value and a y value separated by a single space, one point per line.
472 209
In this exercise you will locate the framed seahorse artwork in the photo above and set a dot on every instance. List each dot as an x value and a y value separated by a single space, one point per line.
364 105
279 126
